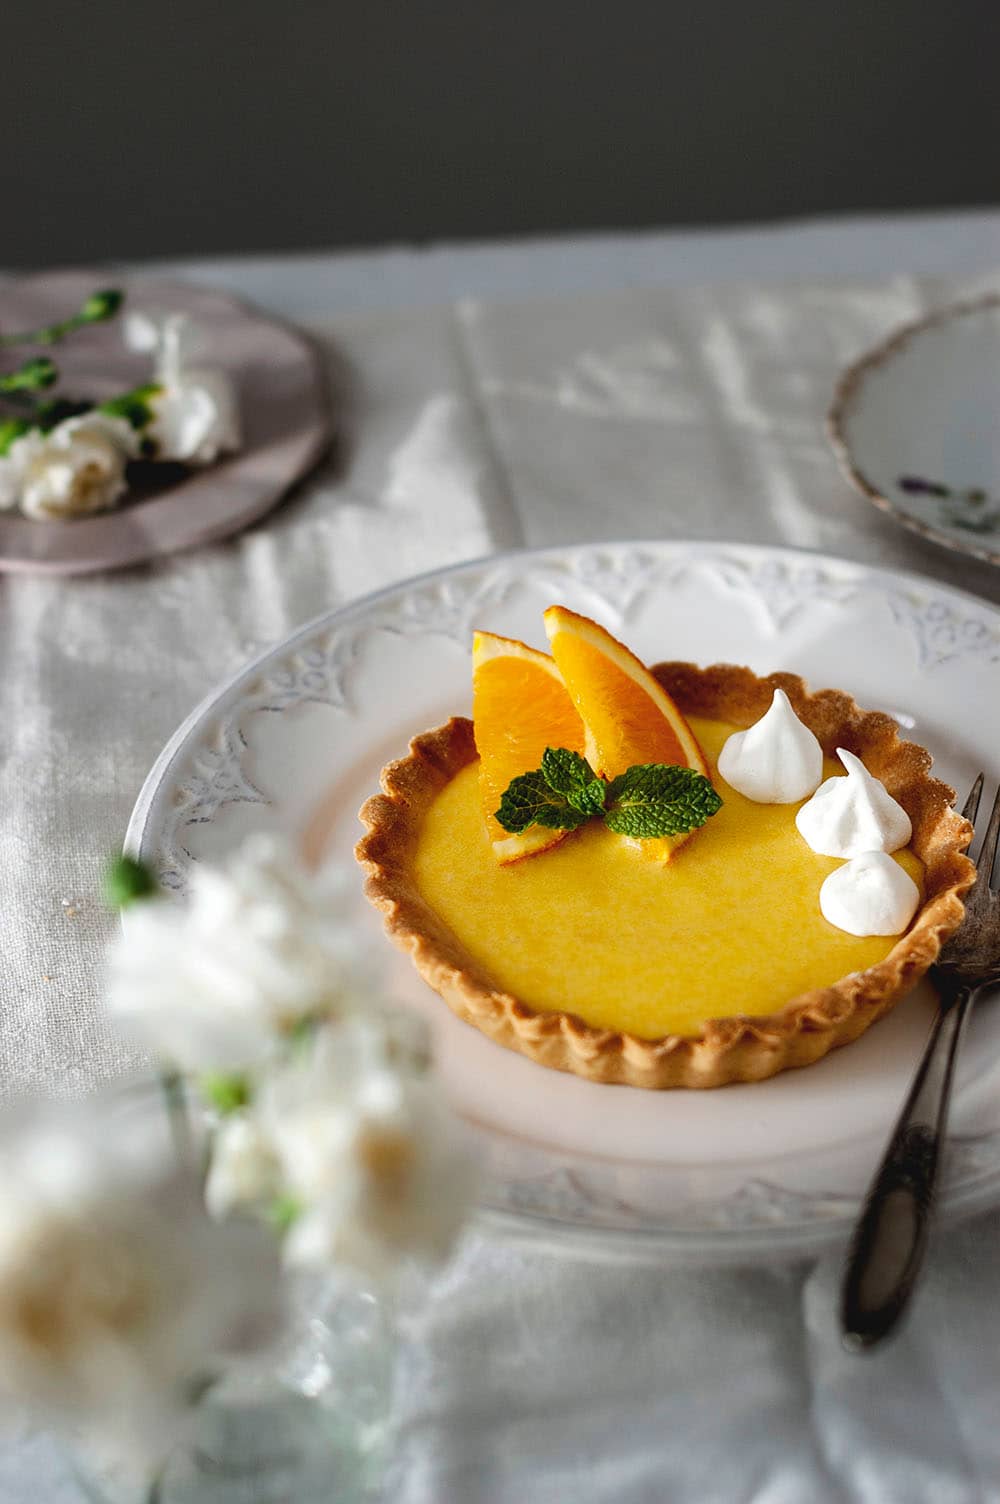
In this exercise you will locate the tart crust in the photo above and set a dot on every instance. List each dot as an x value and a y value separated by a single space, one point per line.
740 1048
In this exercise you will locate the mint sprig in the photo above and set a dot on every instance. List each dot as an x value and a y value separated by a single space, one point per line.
653 799
647 801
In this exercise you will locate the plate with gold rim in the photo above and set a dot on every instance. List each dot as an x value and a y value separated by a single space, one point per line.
913 426
295 742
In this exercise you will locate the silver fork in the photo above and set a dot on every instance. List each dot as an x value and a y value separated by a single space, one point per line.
887 1249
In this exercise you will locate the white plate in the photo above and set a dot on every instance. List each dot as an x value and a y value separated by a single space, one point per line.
775 1167
915 424
283 414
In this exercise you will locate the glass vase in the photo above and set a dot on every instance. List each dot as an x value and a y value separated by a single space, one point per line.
306 1423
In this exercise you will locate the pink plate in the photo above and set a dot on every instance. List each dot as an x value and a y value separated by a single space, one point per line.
283 409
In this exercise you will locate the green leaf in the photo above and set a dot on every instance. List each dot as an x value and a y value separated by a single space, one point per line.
33 376
571 775
133 406
226 1093
530 800
51 414
283 1211
101 305
127 880
12 429
658 799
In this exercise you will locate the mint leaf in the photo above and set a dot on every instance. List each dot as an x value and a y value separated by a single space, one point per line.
530 800
569 774
658 799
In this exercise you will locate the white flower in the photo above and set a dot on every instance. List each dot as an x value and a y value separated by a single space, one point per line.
195 413
76 468
118 1294
369 1151
243 1171
218 984
196 419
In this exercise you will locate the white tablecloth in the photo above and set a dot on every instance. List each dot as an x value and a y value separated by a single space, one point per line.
647 386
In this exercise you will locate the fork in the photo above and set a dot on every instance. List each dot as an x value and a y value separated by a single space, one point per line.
887 1249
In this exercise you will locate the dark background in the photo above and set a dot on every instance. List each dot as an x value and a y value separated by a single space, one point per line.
137 130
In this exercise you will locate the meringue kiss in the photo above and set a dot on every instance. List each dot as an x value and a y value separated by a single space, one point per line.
869 895
847 816
775 761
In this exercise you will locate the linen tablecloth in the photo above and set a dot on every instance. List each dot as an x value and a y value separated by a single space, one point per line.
491 398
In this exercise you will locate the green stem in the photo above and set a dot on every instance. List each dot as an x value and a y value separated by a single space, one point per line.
22 402
175 1097
97 308
155 1494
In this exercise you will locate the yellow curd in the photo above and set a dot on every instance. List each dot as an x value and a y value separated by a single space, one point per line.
593 927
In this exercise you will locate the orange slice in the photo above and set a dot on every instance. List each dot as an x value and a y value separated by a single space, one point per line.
628 717
519 707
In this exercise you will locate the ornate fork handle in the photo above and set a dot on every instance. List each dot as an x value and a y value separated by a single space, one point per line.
891 1234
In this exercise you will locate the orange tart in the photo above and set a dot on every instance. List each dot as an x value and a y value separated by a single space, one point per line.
625 950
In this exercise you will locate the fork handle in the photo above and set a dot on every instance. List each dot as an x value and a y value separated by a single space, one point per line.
887 1250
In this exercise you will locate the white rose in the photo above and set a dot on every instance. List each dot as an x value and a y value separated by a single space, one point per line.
369 1151
219 983
76 468
117 1291
195 413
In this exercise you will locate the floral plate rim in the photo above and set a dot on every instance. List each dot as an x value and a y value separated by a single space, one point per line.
558 1209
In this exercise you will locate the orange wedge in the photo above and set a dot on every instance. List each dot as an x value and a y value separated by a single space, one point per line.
628 717
519 707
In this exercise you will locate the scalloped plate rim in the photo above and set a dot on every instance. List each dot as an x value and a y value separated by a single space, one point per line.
541 1229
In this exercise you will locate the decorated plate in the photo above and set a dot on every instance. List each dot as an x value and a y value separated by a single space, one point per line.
283 412
915 424
772 1168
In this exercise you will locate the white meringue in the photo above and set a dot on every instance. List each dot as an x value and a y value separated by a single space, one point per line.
847 816
870 895
775 761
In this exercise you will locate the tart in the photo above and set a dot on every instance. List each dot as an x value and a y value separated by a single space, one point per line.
710 966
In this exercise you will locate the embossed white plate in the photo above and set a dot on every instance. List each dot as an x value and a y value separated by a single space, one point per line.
761 1170
914 426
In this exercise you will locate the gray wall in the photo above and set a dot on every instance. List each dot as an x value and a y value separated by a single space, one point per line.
135 129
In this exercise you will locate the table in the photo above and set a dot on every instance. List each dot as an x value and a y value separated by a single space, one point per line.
648 385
